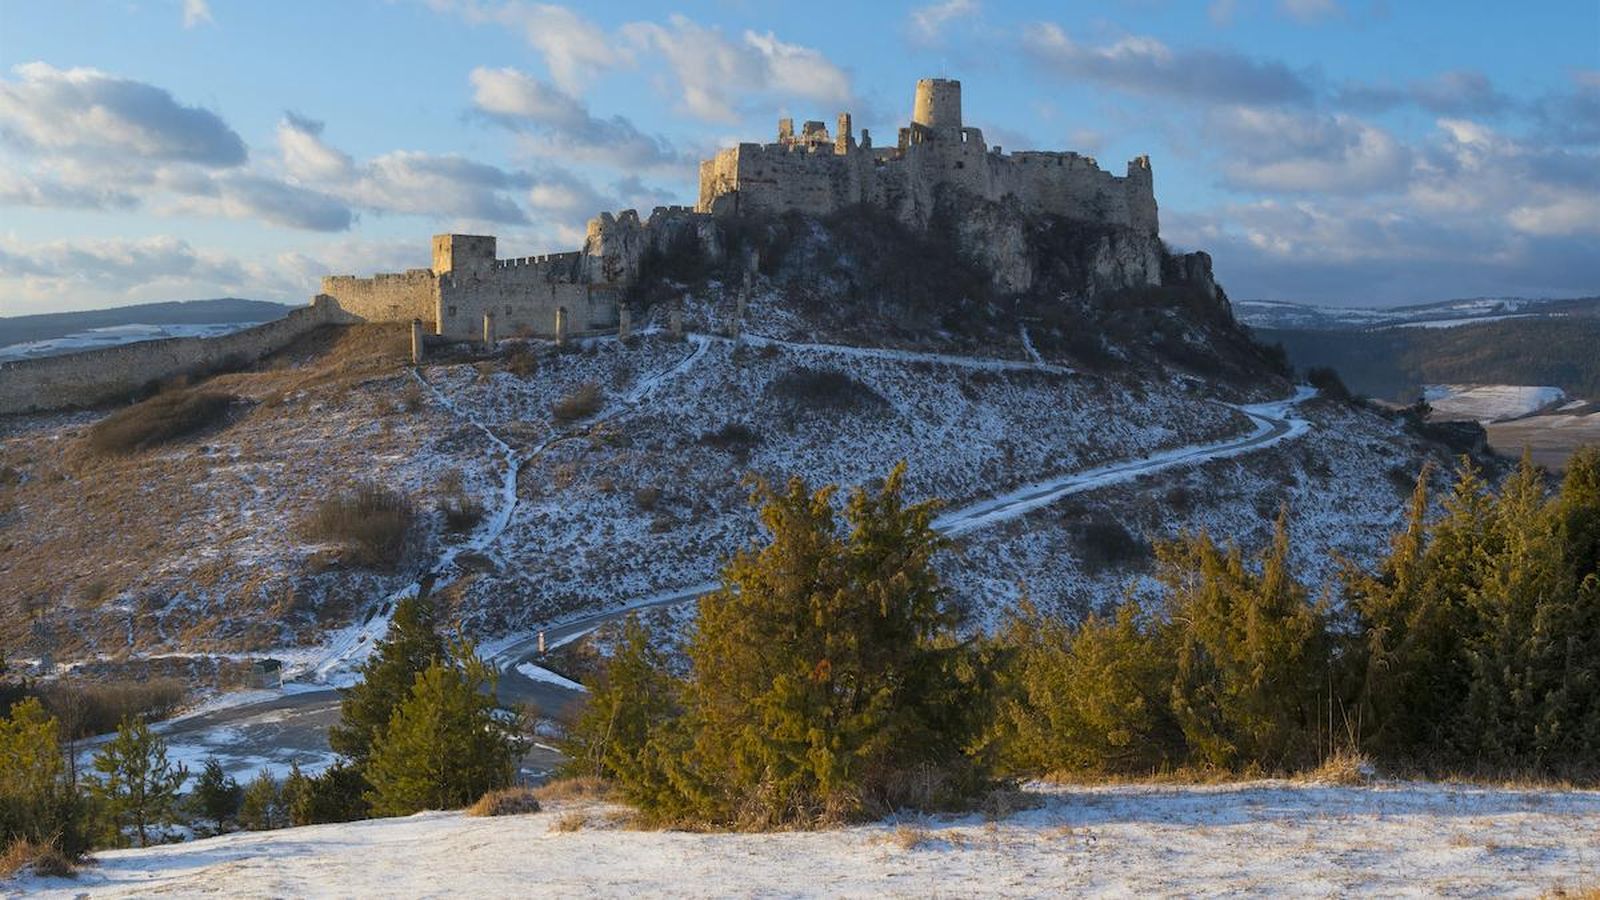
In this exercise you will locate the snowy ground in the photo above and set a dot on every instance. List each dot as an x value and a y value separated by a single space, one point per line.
1489 402
1262 838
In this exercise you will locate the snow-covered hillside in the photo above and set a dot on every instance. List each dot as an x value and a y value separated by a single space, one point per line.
1264 838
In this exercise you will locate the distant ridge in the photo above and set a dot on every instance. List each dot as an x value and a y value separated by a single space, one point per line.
45 326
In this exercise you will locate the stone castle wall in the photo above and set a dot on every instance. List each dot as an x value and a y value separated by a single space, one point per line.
387 297
115 373
818 175
523 295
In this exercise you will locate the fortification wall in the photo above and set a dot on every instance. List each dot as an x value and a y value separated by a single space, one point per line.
389 297
98 376
523 294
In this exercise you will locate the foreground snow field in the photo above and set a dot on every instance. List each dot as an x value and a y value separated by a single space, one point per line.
1258 838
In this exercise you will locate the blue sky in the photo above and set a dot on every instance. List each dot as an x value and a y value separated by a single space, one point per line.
1341 151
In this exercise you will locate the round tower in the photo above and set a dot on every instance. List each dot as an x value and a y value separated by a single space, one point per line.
938 105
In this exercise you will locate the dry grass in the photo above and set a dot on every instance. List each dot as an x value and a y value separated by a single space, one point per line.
572 821
161 419
584 401
1582 892
512 801
909 837
1344 767
43 859
371 522
569 789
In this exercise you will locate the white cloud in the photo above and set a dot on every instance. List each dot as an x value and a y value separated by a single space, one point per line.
196 12
1145 65
926 22
557 126
306 156
87 113
714 74
1311 11
1273 150
575 49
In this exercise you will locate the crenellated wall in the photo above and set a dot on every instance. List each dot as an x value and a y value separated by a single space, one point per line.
115 373
813 174
387 297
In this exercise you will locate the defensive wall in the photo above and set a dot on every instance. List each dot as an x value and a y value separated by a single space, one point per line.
817 174
116 373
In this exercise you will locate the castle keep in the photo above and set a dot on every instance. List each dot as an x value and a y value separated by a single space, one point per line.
468 293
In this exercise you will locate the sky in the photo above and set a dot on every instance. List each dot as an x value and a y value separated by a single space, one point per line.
1350 152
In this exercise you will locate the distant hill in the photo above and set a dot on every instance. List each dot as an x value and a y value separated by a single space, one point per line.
53 326
1525 342
1285 315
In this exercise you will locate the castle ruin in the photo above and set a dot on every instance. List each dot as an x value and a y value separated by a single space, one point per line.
468 292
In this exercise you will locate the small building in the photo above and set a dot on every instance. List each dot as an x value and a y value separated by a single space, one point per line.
266 673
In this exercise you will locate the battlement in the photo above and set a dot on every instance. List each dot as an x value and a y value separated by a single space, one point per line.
816 173
547 259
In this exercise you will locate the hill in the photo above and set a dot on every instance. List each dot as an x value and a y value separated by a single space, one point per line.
102 327
1395 363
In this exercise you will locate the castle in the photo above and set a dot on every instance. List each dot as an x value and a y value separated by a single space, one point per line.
470 293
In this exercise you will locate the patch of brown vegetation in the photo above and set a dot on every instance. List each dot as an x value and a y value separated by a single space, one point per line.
582 402
370 521
162 419
43 860
512 801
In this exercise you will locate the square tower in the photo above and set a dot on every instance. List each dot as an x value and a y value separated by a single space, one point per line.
463 253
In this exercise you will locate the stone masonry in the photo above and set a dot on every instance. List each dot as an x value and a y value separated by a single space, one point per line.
812 172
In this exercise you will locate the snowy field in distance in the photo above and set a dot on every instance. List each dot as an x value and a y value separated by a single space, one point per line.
1489 402
1270 838
113 335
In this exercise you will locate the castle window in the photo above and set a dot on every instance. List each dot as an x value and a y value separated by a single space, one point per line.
960 164
452 312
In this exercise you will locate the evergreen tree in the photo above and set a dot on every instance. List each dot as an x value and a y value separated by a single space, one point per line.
1250 653
38 800
444 747
1092 699
217 795
410 646
261 804
134 781
628 731
827 669
336 794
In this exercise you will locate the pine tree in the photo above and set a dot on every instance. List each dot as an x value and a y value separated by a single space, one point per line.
261 805
134 781
628 731
410 646
827 667
444 747
216 794
39 801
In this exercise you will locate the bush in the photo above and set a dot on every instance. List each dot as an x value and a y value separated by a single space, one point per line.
646 498
1327 380
461 512
521 361
161 419
262 807
42 857
582 402
371 522
513 801
336 794
824 390
86 709
735 437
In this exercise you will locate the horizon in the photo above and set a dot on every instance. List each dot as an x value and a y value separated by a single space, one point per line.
1324 152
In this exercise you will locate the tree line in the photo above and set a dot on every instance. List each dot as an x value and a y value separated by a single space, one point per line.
832 677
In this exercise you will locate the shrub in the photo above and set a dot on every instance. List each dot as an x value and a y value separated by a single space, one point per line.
262 807
521 361
1327 380
44 858
572 821
461 511
735 437
87 708
646 498
582 402
39 802
134 781
512 801
371 522
824 390
161 419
